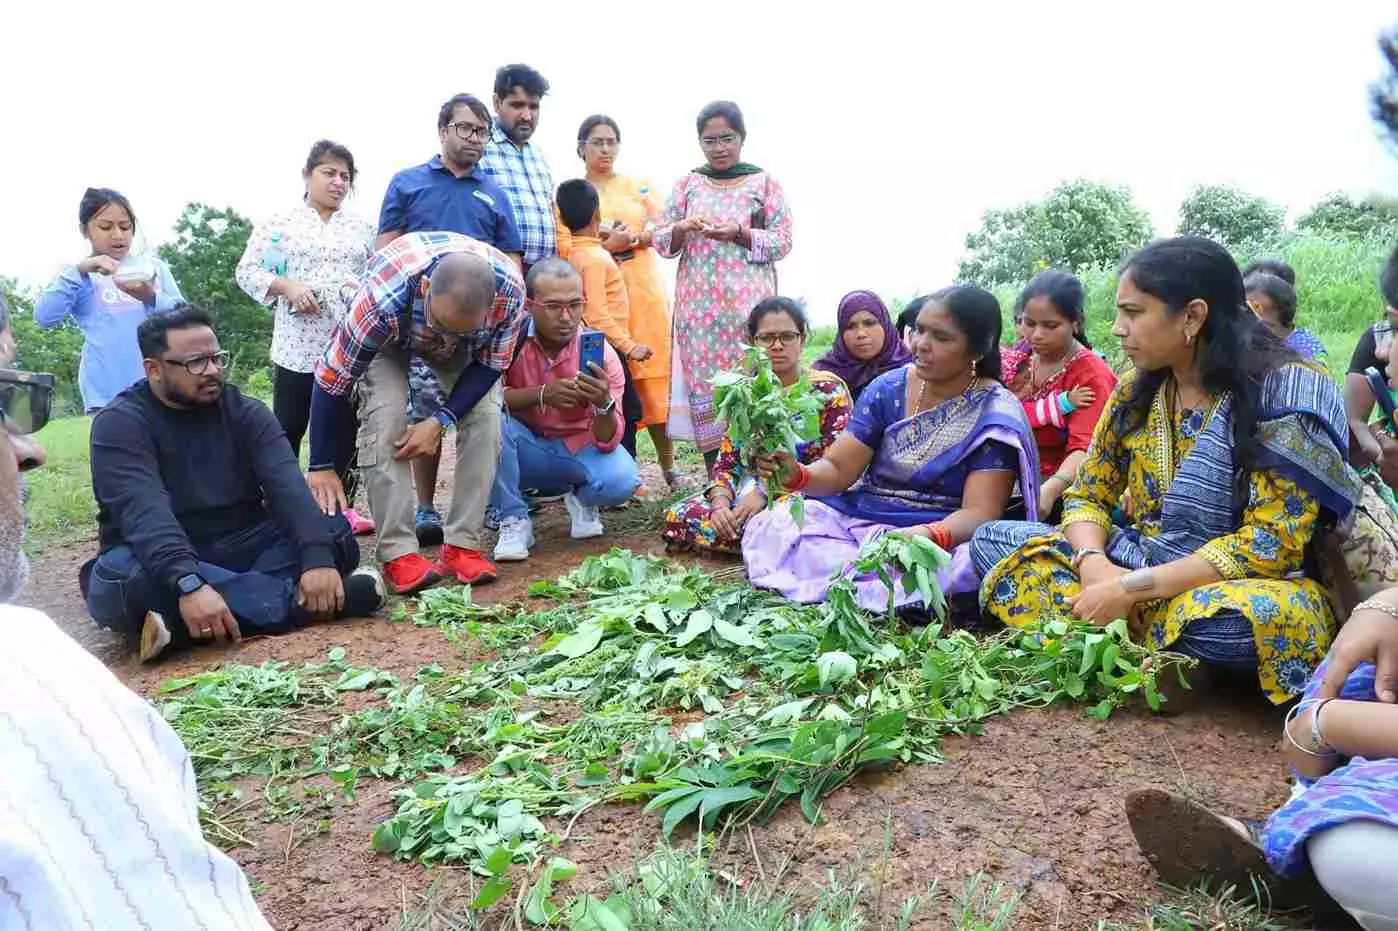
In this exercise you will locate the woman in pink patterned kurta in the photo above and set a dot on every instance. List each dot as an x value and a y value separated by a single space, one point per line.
729 224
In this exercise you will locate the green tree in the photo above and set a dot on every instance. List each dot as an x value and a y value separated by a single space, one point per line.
55 351
1341 215
208 243
1230 216
1079 225
1383 95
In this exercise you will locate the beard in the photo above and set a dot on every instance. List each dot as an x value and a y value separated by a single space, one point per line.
190 400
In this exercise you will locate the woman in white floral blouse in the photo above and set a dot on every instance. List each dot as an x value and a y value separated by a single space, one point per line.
306 264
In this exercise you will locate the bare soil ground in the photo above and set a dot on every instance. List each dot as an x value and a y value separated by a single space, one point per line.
1035 802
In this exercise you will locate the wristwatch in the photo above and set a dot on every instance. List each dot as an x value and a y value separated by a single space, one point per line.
189 584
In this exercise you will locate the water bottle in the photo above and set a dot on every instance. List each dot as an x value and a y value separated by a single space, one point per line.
274 257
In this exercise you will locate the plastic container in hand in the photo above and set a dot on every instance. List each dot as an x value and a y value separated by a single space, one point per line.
136 268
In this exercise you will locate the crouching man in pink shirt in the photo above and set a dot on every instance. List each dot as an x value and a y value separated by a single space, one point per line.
563 425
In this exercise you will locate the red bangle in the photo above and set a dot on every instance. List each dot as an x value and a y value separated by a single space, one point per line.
939 534
802 479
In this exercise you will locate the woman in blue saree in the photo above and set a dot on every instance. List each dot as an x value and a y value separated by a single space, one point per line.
1232 453
935 449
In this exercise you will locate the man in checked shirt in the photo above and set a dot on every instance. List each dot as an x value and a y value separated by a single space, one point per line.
516 165
458 304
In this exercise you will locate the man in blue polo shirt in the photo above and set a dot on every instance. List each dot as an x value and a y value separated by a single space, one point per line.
449 193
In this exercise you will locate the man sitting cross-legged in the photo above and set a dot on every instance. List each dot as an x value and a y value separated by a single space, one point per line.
564 426
206 526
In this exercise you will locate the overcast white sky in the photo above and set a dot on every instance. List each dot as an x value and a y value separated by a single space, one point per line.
891 126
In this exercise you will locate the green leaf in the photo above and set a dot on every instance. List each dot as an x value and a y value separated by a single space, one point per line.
787 712
588 914
835 667
386 838
495 887
734 634
581 642
700 622
654 615
498 861
680 810
357 681
594 775
715 800
537 907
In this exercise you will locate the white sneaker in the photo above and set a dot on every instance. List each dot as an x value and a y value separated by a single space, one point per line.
155 636
516 536
587 522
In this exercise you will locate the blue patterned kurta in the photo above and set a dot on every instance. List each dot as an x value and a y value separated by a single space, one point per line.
1358 790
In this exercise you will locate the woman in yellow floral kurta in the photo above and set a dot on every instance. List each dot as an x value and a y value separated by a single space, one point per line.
1224 557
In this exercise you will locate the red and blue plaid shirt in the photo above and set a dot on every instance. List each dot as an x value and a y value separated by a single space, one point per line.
384 310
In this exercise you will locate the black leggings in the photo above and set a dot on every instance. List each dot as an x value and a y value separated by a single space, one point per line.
291 403
630 411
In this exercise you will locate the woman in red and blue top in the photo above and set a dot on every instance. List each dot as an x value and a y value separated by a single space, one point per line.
1064 384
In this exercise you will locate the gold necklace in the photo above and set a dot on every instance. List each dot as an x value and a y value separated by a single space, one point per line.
922 392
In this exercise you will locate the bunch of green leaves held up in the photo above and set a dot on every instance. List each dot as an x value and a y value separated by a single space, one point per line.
764 417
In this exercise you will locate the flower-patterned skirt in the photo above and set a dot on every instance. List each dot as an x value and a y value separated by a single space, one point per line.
689 527
1286 625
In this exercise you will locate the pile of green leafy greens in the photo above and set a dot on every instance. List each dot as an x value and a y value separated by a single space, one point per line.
764 417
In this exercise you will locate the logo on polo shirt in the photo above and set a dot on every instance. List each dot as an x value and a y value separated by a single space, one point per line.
485 197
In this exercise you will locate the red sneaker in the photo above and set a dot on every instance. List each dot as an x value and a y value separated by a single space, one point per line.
469 566
410 573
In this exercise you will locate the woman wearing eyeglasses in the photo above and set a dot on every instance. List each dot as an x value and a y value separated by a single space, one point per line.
713 521
629 214
306 264
728 223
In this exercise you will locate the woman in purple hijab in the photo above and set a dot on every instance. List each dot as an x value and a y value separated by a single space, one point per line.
867 345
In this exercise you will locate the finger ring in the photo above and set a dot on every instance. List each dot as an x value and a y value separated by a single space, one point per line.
206 630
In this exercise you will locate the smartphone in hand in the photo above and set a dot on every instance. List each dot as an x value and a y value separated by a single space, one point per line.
592 343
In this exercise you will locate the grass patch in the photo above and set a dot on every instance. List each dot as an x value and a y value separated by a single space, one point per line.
61 506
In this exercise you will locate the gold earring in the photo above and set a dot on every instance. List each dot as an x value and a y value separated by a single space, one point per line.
1188 338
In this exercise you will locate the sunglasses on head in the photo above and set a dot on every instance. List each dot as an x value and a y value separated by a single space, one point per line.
26 399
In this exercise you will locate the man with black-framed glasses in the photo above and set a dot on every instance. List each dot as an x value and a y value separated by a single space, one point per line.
206 527
98 801
451 193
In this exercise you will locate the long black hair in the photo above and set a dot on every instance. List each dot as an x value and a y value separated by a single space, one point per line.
1236 351
976 313
1067 295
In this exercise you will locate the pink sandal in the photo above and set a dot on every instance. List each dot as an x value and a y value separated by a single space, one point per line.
359 524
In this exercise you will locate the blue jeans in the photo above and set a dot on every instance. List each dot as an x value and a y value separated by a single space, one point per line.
596 478
255 569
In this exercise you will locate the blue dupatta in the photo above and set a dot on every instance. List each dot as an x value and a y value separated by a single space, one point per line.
920 463
1304 436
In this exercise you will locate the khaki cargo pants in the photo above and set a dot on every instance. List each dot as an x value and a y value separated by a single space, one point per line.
383 416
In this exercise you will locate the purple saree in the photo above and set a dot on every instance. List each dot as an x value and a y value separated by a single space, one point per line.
917 475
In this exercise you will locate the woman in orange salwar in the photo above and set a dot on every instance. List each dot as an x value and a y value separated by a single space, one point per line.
629 214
